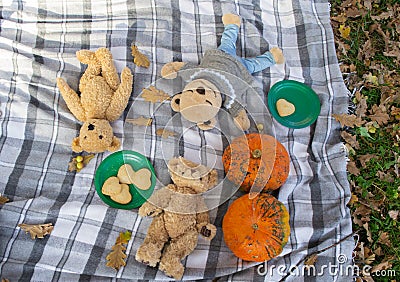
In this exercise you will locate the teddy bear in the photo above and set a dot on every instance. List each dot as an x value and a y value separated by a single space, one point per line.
103 98
179 215
222 79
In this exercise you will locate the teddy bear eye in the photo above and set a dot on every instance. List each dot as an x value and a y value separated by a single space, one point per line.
100 136
201 90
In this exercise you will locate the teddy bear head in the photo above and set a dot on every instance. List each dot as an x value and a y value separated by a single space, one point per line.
199 102
96 135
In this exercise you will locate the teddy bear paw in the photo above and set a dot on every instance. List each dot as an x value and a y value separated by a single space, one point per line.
148 255
208 230
231 19
174 270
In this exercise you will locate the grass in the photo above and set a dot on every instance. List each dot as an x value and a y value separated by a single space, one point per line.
375 185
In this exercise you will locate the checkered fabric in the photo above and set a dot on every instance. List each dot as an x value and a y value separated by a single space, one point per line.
38 41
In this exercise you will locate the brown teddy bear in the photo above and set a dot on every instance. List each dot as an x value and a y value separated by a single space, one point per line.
221 80
179 216
103 99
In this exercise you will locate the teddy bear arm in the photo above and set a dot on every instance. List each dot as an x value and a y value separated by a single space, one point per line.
72 100
156 203
121 96
203 225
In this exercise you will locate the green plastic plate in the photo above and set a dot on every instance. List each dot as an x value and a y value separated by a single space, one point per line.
110 166
304 99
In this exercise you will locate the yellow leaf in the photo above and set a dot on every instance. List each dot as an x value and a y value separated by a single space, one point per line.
152 94
165 133
344 31
37 230
372 79
140 121
138 58
116 258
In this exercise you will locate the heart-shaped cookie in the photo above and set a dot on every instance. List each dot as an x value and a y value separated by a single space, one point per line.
142 179
284 108
126 174
111 186
124 197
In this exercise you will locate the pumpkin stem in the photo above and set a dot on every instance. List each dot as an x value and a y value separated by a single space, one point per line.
255 226
256 153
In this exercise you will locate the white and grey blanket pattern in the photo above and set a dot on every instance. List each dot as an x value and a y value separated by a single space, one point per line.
38 41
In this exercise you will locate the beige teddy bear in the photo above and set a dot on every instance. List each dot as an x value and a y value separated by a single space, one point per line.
179 216
103 99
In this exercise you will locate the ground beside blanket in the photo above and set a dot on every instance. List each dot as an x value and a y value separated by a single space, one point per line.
36 130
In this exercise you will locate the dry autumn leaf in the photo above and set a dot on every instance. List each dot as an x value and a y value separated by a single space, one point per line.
352 168
348 120
394 214
311 260
37 230
3 199
139 58
116 258
153 95
344 31
379 114
141 121
165 133
350 139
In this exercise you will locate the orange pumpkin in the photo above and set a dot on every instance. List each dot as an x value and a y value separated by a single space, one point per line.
257 160
256 229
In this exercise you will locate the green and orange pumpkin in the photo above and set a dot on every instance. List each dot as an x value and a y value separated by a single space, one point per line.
256 229
256 160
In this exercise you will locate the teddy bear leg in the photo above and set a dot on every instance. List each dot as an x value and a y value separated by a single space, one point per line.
230 34
121 96
177 250
108 70
94 67
150 251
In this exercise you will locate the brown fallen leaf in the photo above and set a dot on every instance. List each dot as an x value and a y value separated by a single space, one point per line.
37 230
379 114
139 58
352 168
348 120
394 214
3 199
366 158
153 95
369 234
362 106
381 266
116 258
165 133
4 280
311 260
141 121
384 239
350 139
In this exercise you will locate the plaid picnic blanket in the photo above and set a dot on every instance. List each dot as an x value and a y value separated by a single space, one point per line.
38 41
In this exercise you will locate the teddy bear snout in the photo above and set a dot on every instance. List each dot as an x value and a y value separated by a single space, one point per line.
90 127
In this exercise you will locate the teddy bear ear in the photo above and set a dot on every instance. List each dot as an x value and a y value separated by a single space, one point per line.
76 147
115 144
175 103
